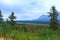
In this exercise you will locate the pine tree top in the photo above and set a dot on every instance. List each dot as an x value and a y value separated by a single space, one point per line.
12 16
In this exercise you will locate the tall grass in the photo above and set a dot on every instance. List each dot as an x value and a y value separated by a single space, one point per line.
30 32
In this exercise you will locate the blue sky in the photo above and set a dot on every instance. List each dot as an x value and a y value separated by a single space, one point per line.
27 9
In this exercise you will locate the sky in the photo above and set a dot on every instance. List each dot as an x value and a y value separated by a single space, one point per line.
27 9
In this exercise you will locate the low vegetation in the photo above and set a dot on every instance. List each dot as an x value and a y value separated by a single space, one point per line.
30 32
10 30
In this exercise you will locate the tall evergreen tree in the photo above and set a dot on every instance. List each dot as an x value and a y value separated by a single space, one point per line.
13 23
53 20
2 24
1 18
12 17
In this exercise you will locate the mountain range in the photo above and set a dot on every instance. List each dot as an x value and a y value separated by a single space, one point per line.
44 19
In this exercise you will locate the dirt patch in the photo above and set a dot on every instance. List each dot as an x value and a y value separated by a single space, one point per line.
1 38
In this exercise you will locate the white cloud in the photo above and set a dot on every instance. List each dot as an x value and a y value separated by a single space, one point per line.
10 2
31 9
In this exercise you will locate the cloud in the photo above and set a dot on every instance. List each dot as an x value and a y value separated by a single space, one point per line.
10 2
28 9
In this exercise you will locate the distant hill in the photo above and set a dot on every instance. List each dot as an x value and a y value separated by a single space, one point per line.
44 19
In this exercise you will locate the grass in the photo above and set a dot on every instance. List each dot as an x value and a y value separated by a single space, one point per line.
31 32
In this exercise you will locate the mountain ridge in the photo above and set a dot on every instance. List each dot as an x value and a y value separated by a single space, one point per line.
46 18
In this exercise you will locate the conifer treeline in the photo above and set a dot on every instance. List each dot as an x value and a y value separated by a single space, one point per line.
10 19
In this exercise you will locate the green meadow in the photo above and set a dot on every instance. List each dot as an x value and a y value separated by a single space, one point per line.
29 32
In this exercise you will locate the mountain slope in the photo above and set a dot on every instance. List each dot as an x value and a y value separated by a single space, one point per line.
46 18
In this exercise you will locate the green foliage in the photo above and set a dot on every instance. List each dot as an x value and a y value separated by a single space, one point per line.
44 34
1 18
10 29
53 21
12 17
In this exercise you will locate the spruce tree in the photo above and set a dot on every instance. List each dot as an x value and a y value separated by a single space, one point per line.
13 23
1 18
2 24
53 18
7 21
12 17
